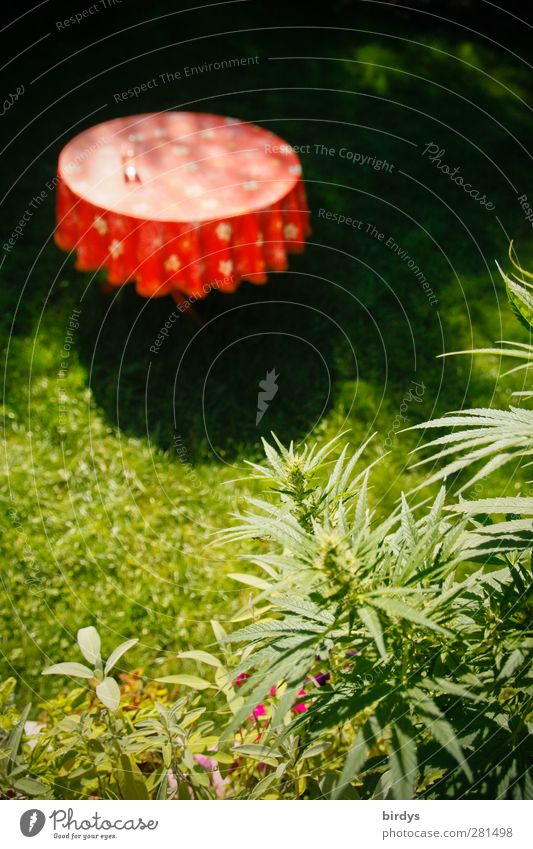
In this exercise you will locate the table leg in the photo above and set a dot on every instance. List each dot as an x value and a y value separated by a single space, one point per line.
187 307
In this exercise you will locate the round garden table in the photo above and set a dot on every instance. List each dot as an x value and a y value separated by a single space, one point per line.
180 202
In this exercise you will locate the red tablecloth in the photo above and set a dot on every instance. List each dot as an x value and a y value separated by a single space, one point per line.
180 202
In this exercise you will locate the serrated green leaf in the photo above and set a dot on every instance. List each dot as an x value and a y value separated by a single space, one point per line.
451 687
516 504
443 733
403 761
370 620
398 609
250 580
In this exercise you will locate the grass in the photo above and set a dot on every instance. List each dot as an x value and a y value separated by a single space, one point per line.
110 522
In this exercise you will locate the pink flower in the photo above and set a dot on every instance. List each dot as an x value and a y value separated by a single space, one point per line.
240 679
273 691
260 710
206 762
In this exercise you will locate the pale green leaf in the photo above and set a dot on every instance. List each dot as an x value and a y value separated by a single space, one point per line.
263 786
89 643
191 681
201 657
354 762
403 761
315 749
117 654
74 670
218 631
109 694
515 660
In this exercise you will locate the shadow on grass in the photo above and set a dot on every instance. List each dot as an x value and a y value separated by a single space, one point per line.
201 385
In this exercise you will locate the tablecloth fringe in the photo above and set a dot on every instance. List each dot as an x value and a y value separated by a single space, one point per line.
190 260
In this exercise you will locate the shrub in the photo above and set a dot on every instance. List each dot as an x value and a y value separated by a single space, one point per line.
422 619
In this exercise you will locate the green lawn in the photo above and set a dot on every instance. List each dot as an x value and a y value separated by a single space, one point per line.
108 523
